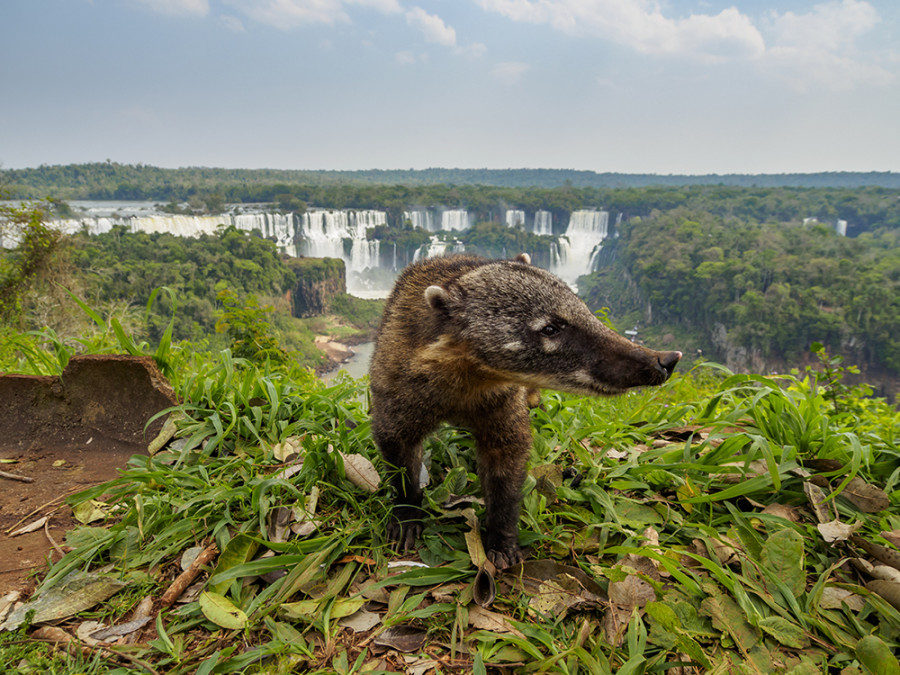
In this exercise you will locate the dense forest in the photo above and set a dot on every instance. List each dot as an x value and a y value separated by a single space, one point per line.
111 180
770 290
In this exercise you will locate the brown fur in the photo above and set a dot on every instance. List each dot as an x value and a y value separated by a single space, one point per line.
469 341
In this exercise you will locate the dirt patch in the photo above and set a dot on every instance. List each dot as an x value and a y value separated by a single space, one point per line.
68 433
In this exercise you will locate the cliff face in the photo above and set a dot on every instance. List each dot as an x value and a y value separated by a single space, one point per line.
318 281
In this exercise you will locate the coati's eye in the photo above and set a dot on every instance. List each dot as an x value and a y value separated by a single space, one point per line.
550 330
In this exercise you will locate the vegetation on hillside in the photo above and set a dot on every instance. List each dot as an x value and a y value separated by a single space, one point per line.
772 289
111 180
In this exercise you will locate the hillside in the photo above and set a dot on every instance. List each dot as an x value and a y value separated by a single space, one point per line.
111 180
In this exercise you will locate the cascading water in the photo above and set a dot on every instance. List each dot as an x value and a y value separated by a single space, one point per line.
455 220
543 222
436 247
579 246
323 233
421 218
515 218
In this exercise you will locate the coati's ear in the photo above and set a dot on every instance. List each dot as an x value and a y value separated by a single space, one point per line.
437 297
523 258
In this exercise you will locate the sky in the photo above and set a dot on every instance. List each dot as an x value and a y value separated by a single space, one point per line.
632 86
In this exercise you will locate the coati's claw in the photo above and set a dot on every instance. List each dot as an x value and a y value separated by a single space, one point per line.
505 558
404 528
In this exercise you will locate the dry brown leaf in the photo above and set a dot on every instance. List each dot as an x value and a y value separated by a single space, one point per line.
889 556
889 590
892 536
821 508
867 498
402 638
782 511
834 596
361 621
31 527
361 472
837 531
484 619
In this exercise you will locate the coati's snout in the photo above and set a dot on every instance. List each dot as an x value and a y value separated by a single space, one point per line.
666 363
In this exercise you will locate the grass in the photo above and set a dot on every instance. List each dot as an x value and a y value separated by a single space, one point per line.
668 530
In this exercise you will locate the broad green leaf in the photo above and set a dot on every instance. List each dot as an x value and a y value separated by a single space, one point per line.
239 550
221 611
782 555
787 633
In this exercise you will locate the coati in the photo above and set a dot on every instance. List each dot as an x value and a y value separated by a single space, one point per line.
466 340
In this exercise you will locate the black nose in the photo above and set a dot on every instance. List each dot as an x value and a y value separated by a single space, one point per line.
668 360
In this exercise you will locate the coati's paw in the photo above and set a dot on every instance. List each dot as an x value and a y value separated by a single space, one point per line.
404 528
506 557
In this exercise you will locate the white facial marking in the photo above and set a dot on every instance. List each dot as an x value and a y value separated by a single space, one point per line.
537 324
514 346
583 377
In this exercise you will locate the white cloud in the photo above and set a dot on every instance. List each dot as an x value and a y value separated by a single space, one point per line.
179 7
510 72
405 58
432 27
818 49
287 14
640 25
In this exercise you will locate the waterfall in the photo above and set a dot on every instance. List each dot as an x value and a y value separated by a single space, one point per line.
436 248
455 219
543 222
580 245
841 227
323 233
515 218
422 219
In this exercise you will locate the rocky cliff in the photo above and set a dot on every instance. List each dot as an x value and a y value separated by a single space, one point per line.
318 282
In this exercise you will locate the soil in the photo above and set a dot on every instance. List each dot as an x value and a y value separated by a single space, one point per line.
68 434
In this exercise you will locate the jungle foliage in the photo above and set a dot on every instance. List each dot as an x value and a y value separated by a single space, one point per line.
773 288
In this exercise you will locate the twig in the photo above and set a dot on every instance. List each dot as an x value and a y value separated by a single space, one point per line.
15 476
183 580
51 539
43 506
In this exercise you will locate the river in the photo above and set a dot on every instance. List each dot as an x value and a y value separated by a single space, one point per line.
358 365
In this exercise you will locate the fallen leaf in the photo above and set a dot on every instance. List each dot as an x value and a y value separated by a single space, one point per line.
892 536
31 527
782 511
484 619
76 592
833 597
889 590
361 472
867 498
221 611
121 629
817 497
84 630
361 621
293 445
837 531
402 638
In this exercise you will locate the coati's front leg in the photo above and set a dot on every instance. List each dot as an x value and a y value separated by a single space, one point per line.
401 446
503 437
405 525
